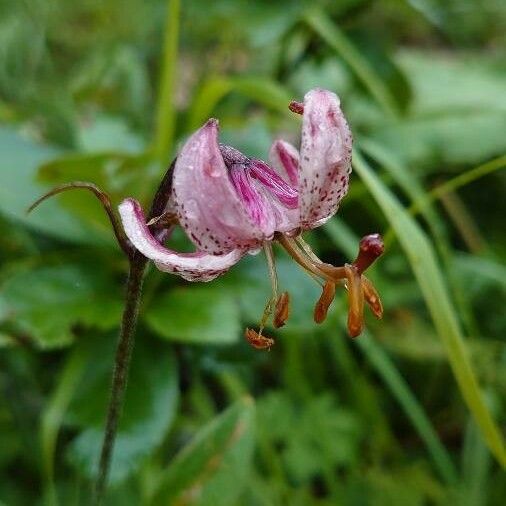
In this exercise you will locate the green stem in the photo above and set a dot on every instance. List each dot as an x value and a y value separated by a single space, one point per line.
121 367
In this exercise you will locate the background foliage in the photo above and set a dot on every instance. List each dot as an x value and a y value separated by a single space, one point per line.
106 92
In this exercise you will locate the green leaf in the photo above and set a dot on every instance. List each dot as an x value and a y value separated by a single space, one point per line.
48 301
196 314
423 261
150 406
214 468
18 189
457 116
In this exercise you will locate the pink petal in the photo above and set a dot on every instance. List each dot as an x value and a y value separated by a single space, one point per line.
256 202
285 159
269 200
325 157
190 266
276 185
208 206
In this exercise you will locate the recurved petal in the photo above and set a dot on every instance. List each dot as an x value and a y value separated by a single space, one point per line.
325 157
285 159
197 266
207 204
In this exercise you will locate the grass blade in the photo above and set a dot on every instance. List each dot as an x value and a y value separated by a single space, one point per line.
338 41
423 261
346 240
165 112
413 409
259 89
459 181
53 415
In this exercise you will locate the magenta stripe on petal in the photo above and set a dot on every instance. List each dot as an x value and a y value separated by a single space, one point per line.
252 199
285 158
287 195
190 266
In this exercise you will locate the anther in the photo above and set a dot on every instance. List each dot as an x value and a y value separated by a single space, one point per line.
296 107
322 306
372 298
370 248
355 301
282 311
257 340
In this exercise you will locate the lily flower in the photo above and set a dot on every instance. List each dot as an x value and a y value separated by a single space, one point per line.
230 204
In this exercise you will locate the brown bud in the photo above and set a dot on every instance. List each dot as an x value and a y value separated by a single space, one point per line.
372 298
257 340
322 306
282 311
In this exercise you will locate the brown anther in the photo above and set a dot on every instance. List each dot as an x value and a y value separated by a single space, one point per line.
372 298
322 306
282 311
257 340
296 107
355 301
370 248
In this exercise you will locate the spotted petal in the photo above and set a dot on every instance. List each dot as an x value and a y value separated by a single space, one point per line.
325 157
190 266
208 206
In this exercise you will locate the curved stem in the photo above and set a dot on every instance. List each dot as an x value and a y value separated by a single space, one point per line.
121 367
123 242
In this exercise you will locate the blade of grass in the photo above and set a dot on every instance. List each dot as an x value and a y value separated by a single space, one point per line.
165 111
53 415
422 258
415 191
461 180
204 101
464 223
337 40
259 89
413 409
346 240
475 468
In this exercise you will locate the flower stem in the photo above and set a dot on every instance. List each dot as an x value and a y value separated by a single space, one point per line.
121 367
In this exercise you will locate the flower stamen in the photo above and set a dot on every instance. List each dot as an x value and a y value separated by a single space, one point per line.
372 298
296 107
355 301
257 340
282 311
323 304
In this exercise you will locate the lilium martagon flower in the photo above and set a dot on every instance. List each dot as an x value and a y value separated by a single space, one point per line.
229 205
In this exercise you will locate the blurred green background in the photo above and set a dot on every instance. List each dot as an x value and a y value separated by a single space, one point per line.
106 92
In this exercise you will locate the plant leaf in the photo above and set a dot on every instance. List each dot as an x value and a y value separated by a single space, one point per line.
150 406
214 467
200 314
